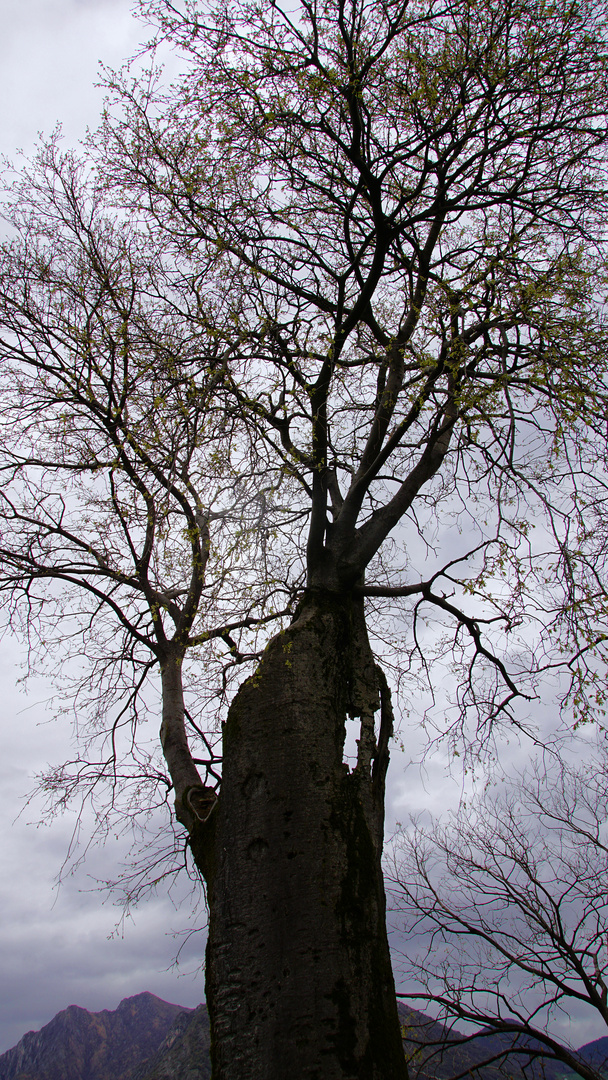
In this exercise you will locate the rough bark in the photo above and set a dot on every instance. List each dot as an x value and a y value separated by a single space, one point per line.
299 980
195 804
174 742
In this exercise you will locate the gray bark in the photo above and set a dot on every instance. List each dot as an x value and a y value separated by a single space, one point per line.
174 742
195 803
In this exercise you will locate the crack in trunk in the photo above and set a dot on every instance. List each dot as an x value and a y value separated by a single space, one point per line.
299 979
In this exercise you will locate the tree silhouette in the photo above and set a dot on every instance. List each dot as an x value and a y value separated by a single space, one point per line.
508 911
311 337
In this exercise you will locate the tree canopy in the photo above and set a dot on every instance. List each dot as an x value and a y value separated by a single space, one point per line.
311 340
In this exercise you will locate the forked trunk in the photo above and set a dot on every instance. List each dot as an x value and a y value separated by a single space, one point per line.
299 981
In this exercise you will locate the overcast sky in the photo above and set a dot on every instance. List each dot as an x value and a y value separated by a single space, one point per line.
54 943
57 945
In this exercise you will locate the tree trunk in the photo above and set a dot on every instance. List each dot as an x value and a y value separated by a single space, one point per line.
299 980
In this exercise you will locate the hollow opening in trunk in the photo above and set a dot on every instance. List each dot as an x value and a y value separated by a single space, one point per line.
350 750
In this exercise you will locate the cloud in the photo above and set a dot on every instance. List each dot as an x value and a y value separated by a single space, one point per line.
49 53
58 945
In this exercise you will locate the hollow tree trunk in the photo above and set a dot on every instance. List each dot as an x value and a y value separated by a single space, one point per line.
299 981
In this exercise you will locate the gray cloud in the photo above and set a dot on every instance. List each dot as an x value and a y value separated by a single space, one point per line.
49 53
56 946
53 945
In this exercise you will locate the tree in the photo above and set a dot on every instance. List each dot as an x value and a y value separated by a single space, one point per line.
336 288
508 910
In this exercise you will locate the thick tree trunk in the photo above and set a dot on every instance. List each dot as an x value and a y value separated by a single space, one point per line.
299 980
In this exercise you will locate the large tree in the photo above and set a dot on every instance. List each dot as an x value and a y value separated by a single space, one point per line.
296 325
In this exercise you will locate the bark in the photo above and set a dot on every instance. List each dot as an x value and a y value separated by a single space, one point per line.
299 980
195 804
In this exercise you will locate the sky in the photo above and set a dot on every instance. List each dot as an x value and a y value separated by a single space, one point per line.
59 945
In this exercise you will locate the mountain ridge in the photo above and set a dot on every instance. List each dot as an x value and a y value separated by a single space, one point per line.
146 1038
81 1045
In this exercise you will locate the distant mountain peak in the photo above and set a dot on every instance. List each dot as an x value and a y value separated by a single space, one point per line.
146 1038
81 1045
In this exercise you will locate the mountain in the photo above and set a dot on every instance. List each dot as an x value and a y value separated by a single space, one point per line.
596 1054
80 1045
144 1039
149 1039
438 1053
184 1053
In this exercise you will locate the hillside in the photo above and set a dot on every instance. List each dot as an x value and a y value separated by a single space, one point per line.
80 1045
146 1038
